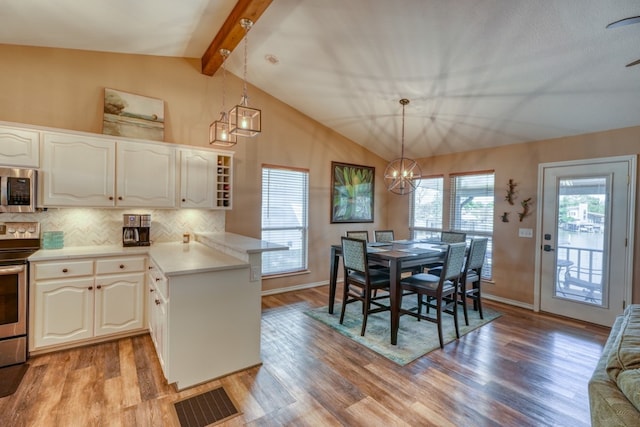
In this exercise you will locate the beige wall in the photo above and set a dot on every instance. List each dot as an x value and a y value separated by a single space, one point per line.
64 89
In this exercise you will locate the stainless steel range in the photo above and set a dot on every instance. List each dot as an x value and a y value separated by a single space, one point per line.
18 240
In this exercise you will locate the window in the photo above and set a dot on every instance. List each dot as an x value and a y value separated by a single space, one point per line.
426 209
285 203
472 209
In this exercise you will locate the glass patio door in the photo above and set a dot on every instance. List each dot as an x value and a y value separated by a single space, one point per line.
585 258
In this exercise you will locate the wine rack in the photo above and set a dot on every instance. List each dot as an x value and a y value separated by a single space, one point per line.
223 185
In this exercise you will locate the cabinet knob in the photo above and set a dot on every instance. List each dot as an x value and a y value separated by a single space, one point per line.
151 290
65 270
157 302
121 265
157 279
150 267
119 197
99 287
110 197
90 288
184 200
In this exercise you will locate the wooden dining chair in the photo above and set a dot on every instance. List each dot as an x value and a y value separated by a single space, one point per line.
360 282
384 236
453 237
358 234
440 292
471 275
447 237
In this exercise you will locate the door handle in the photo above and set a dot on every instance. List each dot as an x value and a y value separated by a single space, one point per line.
548 248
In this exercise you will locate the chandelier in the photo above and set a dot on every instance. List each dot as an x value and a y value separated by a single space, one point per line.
244 120
400 176
219 130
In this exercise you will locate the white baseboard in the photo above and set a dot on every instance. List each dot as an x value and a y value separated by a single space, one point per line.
326 282
294 288
507 301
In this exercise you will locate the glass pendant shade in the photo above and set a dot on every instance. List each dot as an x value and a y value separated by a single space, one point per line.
401 175
219 132
244 120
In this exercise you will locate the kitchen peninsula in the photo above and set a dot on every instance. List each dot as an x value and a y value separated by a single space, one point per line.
202 302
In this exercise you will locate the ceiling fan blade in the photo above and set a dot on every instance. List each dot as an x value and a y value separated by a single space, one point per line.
625 21
631 64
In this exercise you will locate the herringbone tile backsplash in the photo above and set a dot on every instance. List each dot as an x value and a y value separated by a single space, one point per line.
85 227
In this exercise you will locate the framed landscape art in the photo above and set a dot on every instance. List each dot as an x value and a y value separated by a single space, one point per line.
133 116
352 190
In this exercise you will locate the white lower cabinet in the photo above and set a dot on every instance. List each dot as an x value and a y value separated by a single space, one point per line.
76 301
157 312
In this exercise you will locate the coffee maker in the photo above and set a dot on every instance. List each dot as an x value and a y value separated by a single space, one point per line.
136 230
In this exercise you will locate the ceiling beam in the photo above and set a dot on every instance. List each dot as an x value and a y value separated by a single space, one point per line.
231 33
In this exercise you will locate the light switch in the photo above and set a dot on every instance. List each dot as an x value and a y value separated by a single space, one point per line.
525 232
256 274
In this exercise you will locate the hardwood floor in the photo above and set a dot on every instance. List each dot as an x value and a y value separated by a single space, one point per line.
522 369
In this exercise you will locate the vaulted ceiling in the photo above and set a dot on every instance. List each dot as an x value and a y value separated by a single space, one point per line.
479 73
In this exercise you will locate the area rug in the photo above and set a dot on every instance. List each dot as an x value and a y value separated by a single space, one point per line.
415 338
10 378
208 408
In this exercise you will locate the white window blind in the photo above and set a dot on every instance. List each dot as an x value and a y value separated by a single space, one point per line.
285 204
472 209
426 208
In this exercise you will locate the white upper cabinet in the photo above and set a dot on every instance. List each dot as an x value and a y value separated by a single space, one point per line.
77 171
19 147
81 170
198 178
146 175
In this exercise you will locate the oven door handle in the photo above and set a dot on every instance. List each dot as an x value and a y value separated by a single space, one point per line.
4 271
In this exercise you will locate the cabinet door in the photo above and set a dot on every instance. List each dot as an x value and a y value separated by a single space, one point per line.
64 312
119 303
20 147
77 171
197 179
146 175
158 312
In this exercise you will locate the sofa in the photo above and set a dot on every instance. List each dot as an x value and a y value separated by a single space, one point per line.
614 387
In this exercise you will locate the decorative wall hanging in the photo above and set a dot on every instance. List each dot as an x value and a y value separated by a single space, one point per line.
511 192
133 116
505 217
352 191
526 204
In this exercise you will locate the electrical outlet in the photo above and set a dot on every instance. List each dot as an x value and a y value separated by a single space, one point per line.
525 232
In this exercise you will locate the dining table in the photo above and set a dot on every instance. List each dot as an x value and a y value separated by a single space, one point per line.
398 256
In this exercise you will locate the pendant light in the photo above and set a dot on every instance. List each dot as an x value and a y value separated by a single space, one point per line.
400 176
219 130
244 120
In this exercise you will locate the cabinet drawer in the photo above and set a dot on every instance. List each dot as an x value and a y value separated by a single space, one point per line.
120 265
60 269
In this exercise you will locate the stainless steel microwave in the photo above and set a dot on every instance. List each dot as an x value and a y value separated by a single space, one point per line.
18 189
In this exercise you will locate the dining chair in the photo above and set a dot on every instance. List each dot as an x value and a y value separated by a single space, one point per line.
471 274
360 282
446 237
357 234
441 292
383 235
453 237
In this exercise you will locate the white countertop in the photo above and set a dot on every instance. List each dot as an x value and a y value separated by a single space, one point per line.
189 258
173 258
239 243
86 252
